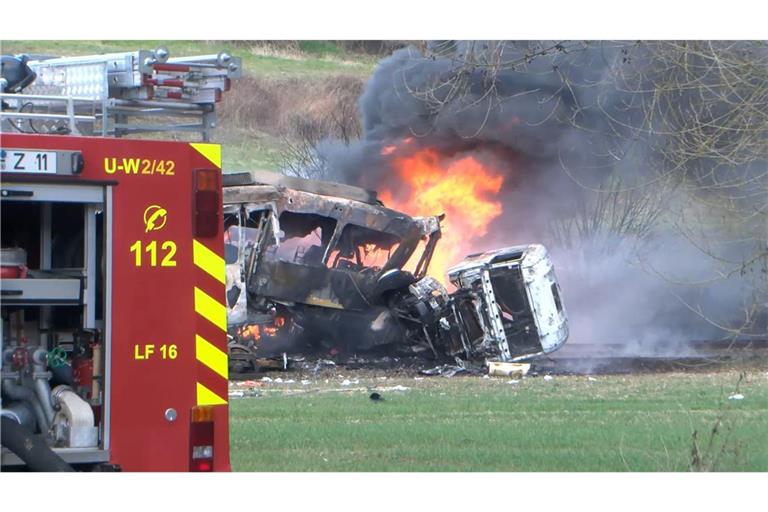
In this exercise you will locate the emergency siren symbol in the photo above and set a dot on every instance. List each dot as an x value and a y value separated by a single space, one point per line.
155 217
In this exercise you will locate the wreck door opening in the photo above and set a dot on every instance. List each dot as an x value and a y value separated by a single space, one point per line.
246 231
514 308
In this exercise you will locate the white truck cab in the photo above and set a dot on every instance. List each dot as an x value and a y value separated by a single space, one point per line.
520 301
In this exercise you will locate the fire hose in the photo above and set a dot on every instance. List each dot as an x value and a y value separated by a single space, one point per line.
30 448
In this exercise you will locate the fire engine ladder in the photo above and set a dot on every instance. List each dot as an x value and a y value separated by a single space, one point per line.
119 94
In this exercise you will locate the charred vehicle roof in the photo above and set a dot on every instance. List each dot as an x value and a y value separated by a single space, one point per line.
327 244
346 204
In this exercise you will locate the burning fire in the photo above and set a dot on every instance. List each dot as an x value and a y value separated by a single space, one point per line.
254 332
250 332
461 187
391 148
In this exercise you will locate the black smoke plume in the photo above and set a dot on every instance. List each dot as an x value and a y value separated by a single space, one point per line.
585 174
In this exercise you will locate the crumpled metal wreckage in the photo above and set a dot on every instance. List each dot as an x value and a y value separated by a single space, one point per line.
326 268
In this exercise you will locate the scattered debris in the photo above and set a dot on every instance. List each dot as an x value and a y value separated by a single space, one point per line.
242 359
305 382
513 381
591 379
384 362
399 388
445 370
548 377
323 363
266 379
236 394
736 396
504 369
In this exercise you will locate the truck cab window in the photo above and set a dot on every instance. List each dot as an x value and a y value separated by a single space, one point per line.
359 248
304 237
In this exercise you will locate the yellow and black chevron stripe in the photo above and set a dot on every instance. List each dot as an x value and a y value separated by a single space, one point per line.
210 311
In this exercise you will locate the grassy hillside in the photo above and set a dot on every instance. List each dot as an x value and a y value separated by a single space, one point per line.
285 83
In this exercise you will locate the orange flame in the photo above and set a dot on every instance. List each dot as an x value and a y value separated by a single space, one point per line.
254 332
463 188
276 325
391 148
250 332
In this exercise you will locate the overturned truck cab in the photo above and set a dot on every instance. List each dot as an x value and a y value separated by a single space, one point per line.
519 299
317 267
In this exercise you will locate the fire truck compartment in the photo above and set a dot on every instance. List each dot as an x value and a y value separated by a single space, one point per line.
55 326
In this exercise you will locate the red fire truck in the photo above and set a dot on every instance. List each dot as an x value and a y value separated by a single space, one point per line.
114 348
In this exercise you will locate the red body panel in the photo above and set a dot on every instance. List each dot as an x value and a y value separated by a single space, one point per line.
152 304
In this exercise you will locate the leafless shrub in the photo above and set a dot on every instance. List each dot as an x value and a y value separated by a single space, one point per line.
372 47
608 215
706 124
713 451
270 105
300 156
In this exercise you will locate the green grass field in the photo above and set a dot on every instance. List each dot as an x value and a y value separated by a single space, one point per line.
613 423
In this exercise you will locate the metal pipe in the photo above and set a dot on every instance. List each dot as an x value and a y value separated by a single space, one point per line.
137 128
43 390
96 386
22 97
156 111
71 116
158 104
42 378
30 115
197 59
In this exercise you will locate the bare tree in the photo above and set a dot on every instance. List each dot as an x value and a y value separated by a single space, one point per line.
300 156
674 119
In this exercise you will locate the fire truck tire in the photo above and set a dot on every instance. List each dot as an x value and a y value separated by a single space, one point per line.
30 448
